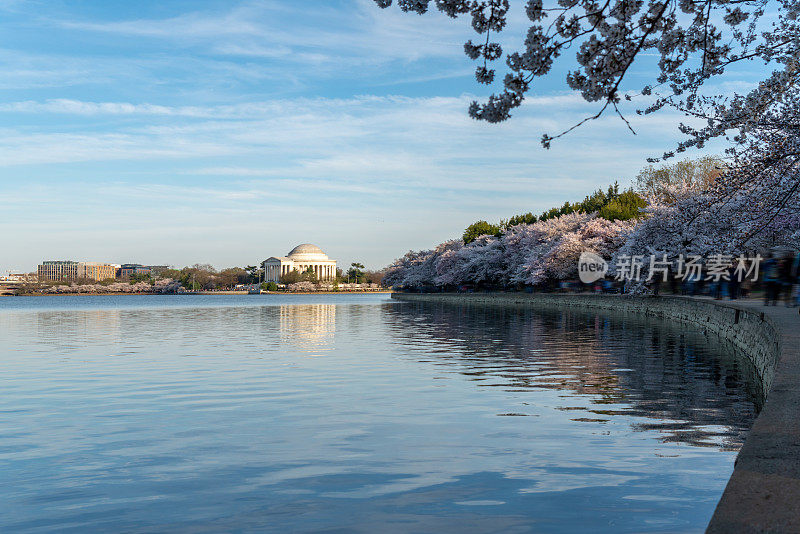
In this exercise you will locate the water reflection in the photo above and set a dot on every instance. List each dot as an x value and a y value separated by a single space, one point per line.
309 325
154 414
613 366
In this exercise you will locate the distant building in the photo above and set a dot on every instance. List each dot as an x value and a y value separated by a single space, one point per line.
18 277
301 258
126 270
67 270
97 271
55 271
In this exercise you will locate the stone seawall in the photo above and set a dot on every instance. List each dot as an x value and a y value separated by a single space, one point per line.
764 490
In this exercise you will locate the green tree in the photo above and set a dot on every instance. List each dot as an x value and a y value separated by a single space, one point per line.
140 277
291 277
627 205
525 218
356 273
309 276
479 228
199 276
174 274
252 272
232 276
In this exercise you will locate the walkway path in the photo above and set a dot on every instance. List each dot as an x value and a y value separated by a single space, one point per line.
763 494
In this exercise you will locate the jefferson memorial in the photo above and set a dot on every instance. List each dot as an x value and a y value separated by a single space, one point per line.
301 258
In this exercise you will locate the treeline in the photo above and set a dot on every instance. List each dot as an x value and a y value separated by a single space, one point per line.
685 209
611 205
202 277
206 278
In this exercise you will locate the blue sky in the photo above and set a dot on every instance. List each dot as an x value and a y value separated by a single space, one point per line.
226 132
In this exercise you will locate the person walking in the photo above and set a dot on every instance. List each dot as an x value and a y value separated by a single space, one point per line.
771 280
673 281
787 278
716 289
733 282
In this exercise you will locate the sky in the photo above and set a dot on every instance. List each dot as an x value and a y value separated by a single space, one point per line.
226 132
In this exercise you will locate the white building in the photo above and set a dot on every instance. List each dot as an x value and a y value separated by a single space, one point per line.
301 258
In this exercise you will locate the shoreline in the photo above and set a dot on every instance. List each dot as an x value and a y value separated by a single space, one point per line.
764 488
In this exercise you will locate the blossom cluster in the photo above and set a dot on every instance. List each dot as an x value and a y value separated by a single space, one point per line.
692 42
526 254
166 285
717 267
683 223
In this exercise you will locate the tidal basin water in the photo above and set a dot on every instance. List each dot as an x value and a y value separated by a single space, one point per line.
356 413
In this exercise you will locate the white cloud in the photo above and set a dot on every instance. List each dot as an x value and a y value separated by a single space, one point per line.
178 138
361 35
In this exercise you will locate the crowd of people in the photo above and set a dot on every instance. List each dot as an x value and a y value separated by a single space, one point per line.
781 279
778 279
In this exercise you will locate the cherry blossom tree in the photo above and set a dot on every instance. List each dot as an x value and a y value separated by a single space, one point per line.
556 245
166 285
303 286
692 40
479 262
418 269
743 213
527 254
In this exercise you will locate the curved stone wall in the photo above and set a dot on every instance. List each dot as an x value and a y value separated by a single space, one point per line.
764 490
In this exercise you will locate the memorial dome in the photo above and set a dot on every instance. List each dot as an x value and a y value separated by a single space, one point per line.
307 252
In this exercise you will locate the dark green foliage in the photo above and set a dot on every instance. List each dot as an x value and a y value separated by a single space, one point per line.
526 218
309 276
142 277
626 206
592 203
477 229
253 273
291 277
355 274
566 209
609 204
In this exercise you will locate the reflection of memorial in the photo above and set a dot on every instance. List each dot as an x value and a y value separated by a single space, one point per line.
309 324
666 374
